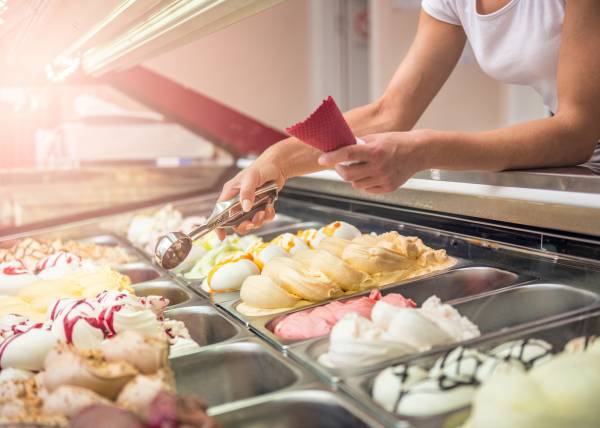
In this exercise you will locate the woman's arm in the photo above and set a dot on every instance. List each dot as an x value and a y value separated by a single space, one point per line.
430 60
567 138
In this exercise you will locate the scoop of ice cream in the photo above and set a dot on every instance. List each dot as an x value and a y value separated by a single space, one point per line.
111 416
449 319
171 410
410 326
65 365
340 229
139 393
463 364
13 276
356 341
260 291
147 354
373 260
231 274
27 351
334 246
392 383
296 279
81 331
69 400
290 243
530 352
263 252
142 321
347 278
409 246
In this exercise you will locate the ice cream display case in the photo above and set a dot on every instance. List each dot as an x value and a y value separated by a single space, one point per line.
414 345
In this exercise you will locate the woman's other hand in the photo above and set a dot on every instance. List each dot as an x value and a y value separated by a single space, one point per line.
383 163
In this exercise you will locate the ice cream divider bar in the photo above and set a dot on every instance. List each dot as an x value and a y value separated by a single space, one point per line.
557 333
499 312
458 282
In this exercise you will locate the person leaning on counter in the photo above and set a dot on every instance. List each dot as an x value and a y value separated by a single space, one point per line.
551 45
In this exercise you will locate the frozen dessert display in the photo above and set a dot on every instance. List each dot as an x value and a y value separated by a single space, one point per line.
85 324
125 377
562 392
145 230
32 299
31 252
332 261
319 321
509 396
393 331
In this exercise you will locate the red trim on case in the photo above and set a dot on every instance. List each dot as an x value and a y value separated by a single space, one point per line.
222 125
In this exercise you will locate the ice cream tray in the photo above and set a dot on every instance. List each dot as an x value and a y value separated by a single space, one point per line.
248 376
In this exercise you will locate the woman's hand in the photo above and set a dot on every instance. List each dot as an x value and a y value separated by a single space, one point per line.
245 183
383 163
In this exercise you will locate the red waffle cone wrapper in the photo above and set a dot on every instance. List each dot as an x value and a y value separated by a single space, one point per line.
325 129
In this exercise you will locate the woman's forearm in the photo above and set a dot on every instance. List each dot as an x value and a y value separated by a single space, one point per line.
550 142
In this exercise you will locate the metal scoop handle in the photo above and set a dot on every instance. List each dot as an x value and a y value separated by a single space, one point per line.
173 248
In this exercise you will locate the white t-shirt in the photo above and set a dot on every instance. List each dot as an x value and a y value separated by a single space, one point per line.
517 44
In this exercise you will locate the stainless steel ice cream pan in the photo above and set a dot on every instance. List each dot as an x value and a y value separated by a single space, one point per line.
235 371
296 409
163 287
450 285
206 325
556 333
501 312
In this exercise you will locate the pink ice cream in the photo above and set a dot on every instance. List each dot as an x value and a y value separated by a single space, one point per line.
319 321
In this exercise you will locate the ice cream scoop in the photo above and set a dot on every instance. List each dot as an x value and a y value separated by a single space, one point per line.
174 247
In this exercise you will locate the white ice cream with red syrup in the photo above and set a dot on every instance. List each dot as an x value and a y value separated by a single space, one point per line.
15 274
86 323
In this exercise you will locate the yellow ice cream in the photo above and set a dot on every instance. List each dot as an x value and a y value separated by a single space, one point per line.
35 298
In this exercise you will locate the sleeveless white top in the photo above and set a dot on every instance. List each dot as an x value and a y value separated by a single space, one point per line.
517 44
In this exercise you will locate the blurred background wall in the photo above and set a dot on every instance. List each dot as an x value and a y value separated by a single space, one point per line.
275 66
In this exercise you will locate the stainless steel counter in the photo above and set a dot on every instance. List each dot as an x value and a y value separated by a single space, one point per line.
565 200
